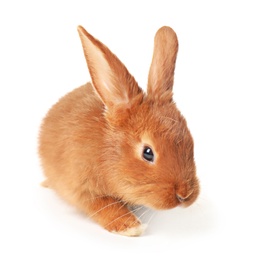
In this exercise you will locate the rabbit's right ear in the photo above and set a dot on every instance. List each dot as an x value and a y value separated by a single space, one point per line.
112 81
161 74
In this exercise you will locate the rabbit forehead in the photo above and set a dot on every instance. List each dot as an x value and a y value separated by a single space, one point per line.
165 132
152 121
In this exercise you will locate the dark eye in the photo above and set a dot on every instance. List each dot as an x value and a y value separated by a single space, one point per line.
148 154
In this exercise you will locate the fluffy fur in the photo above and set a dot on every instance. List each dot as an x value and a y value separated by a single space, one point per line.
91 141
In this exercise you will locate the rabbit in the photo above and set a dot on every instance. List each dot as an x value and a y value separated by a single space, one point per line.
108 145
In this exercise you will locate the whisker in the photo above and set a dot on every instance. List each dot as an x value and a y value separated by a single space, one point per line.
121 216
168 118
137 209
133 211
117 219
96 197
152 216
113 203
146 211
124 203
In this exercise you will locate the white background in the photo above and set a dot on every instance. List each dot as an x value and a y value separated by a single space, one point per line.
41 59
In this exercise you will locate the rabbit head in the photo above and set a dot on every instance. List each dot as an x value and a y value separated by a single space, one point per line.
148 151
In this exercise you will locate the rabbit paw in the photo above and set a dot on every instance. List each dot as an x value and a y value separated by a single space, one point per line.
132 231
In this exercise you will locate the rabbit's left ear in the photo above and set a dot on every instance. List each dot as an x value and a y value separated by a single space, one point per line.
161 74
111 80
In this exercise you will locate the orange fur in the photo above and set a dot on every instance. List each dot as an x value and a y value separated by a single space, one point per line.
91 140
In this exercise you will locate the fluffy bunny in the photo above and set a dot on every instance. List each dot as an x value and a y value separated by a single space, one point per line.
108 145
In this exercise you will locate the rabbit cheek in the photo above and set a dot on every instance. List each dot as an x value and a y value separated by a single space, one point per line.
165 202
161 197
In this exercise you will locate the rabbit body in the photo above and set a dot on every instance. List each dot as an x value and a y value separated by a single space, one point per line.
107 145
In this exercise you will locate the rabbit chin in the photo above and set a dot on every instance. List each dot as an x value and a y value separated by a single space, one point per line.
170 202
157 203
164 206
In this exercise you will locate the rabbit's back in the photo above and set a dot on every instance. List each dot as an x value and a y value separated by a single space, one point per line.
71 137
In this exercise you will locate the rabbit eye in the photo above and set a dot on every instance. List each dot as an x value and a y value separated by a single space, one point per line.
148 154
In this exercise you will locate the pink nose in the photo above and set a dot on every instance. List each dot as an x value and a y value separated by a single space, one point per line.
180 198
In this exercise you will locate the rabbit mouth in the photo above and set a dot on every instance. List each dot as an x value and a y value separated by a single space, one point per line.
174 199
182 198
185 201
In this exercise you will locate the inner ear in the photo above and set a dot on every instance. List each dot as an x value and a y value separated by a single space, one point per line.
112 81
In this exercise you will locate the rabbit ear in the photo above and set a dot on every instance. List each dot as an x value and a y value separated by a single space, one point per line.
110 78
161 73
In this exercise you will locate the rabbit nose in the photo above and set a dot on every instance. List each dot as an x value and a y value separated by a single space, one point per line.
180 198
